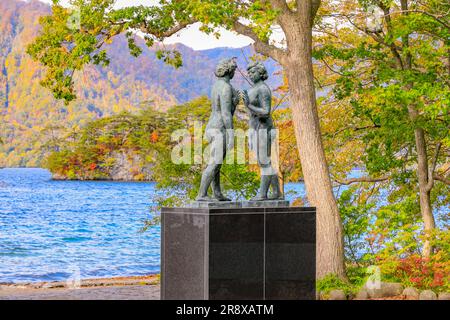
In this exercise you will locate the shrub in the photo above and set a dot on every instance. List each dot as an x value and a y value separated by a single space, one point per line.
333 282
424 273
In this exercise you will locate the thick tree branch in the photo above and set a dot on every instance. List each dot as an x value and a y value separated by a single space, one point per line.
441 178
161 35
280 5
315 5
262 47
363 179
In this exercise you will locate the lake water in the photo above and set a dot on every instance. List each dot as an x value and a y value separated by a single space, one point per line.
56 230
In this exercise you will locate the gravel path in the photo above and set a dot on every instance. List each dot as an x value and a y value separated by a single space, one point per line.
136 292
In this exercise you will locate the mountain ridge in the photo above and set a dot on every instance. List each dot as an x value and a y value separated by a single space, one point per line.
28 112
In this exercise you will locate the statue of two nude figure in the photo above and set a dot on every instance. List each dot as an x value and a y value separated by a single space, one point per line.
219 130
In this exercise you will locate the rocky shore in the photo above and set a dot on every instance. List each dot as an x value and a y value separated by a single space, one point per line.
120 288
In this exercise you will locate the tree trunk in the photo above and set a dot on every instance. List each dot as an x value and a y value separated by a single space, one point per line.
425 178
424 184
330 250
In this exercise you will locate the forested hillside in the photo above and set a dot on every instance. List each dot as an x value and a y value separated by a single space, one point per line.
30 116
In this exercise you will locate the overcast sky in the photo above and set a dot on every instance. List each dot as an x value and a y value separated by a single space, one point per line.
191 36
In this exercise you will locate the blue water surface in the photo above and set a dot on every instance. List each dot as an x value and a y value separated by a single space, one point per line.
55 230
50 230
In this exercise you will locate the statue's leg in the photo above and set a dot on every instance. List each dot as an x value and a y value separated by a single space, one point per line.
216 187
263 189
207 178
276 190
215 184
210 172
264 162
216 181
264 186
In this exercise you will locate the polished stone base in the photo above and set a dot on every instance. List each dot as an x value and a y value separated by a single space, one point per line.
239 204
238 253
215 204
265 204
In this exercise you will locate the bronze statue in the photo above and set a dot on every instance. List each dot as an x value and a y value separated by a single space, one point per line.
258 100
219 130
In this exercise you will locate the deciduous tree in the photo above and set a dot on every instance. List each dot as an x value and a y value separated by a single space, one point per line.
392 74
64 50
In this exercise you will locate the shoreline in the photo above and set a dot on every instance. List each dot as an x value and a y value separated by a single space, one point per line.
117 288
151 279
55 177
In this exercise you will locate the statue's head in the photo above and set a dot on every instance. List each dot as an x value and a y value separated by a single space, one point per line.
257 72
226 67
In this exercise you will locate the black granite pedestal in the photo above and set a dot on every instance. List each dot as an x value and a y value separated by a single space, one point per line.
243 253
